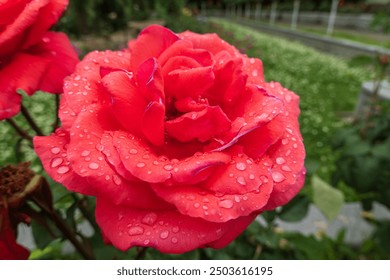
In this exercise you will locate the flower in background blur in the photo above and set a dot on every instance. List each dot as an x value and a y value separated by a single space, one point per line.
31 57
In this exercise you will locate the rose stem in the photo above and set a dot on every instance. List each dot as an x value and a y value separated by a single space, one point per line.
141 253
30 121
22 133
81 205
64 228
57 121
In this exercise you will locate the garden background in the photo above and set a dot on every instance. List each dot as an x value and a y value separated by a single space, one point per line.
348 156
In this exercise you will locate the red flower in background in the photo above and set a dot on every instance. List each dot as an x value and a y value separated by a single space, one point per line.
9 249
180 139
31 58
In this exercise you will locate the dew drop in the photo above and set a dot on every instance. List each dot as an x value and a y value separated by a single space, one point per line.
164 234
254 73
241 180
56 162
196 205
93 165
46 40
63 170
85 153
99 147
226 204
55 150
285 141
116 179
241 166
280 160
252 176
175 229
133 151
168 167
278 177
107 177
140 164
237 198
146 242
149 219
174 240
136 230
286 168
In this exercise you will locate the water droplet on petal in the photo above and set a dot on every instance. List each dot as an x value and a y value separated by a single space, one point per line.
252 176
175 229
116 179
55 150
241 166
196 205
46 40
63 170
56 162
133 151
168 167
93 165
226 204
150 219
278 177
285 141
280 160
241 180
174 240
164 234
286 168
85 153
237 198
140 164
136 230
146 242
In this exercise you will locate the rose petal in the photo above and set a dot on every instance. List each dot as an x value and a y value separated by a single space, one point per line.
9 103
287 159
63 58
167 231
9 249
150 83
254 68
147 166
151 42
84 86
13 36
180 83
210 42
201 125
255 109
229 83
48 15
52 152
196 201
126 101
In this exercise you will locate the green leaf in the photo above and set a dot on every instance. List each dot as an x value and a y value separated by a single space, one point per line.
328 199
295 210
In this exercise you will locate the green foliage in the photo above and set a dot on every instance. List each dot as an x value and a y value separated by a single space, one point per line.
381 20
328 199
364 158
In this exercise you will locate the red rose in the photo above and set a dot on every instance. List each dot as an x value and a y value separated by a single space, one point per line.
180 139
31 58
9 249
